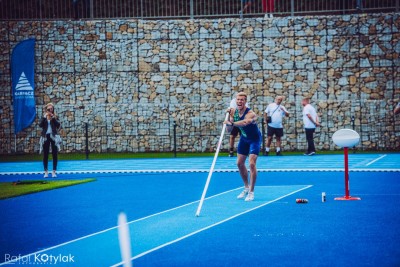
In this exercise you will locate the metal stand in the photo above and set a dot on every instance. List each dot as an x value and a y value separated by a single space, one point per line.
87 140
174 140
346 178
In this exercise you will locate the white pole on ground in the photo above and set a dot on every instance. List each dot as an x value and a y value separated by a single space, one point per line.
212 167
124 240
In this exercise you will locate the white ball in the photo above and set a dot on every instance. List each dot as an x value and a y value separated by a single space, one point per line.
346 138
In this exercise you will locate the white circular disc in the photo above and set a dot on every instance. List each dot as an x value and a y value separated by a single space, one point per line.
346 138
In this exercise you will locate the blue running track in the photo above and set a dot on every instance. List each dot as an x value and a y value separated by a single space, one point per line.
160 197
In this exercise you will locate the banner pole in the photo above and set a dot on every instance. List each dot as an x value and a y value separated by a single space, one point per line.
15 143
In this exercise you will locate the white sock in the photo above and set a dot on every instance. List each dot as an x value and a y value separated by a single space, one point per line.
278 149
267 149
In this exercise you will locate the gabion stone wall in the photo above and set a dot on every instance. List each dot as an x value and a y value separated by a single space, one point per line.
131 80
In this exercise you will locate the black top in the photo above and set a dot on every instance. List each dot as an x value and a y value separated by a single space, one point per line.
54 123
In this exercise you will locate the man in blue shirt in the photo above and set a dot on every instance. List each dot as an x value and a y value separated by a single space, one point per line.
249 143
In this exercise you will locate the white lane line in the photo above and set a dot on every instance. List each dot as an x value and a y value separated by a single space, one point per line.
109 229
213 225
206 170
375 160
165 211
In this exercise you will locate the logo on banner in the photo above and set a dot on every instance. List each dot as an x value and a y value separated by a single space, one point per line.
23 89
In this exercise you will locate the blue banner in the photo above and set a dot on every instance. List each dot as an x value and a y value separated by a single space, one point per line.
23 84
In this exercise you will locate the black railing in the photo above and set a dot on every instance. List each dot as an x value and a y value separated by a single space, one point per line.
379 130
159 9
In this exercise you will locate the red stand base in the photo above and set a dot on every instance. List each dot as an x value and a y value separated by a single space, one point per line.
346 178
347 198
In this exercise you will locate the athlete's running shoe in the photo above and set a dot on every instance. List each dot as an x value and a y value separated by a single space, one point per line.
250 196
243 194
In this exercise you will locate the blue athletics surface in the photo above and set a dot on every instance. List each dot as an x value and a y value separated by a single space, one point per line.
357 162
153 232
80 220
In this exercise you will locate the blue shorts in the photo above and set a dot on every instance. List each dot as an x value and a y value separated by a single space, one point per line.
247 146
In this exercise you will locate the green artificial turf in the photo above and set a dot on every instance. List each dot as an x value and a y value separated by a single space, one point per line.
19 188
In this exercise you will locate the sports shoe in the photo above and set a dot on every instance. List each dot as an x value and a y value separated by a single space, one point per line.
250 196
309 154
279 153
231 154
53 174
266 153
46 174
243 194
